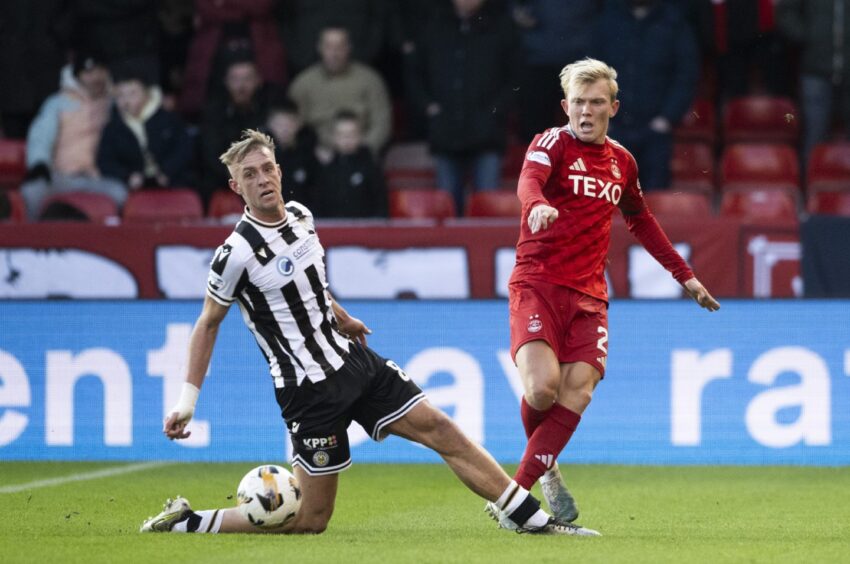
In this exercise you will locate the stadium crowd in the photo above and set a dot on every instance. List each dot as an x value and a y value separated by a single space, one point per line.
372 100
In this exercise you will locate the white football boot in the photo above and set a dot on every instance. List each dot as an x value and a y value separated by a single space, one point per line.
558 527
173 511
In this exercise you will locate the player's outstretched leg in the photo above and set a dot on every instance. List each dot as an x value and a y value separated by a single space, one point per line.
317 505
478 470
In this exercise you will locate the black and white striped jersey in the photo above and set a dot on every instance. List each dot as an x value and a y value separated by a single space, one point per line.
276 272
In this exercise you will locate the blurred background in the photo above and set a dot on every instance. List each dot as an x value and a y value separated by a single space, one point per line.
403 125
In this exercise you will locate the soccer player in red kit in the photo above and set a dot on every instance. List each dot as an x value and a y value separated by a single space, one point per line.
572 180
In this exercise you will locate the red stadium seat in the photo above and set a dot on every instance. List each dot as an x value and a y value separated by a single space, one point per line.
225 202
699 124
761 119
757 204
692 167
421 204
171 205
829 163
97 207
830 203
13 162
746 165
18 209
683 204
494 203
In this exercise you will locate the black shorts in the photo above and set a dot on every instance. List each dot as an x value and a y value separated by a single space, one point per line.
368 389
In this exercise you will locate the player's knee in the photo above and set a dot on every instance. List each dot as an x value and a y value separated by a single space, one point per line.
541 395
311 524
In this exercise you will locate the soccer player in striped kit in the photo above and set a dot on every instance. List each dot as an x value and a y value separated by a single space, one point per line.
573 179
323 373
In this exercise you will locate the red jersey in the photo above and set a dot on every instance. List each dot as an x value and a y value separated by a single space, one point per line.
584 182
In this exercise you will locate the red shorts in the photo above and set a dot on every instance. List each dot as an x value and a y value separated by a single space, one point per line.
574 324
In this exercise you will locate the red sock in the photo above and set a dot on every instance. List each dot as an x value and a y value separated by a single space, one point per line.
545 444
531 417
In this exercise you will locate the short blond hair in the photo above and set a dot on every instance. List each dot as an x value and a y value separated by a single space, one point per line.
238 150
588 71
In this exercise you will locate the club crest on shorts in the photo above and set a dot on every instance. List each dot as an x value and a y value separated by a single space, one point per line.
321 458
534 323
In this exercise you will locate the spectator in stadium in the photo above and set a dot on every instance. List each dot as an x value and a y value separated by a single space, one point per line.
462 76
336 83
228 28
822 29
655 52
144 145
325 376
572 180
62 140
550 36
302 22
295 145
33 48
350 183
244 106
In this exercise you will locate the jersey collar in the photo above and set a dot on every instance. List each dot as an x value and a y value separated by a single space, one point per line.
256 221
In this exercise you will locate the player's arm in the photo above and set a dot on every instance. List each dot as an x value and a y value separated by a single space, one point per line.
648 232
201 346
348 325
535 172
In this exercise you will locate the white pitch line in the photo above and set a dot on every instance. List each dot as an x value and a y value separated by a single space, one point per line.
93 475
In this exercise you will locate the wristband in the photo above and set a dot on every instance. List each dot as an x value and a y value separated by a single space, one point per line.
188 399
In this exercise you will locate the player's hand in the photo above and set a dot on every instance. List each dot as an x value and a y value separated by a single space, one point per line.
355 329
698 292
541 217
174 426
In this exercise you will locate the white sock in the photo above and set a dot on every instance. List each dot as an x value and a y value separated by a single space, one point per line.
208 521
514 496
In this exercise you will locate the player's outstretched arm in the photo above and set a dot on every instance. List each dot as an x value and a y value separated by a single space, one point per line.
201 346
701 295
348 325
541 217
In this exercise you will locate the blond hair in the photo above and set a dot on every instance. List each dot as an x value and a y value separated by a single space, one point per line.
251 139
588 71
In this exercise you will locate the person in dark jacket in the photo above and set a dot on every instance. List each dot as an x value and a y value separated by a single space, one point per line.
144 145
350 183
655 53
294 145
245 106
462 75
822 29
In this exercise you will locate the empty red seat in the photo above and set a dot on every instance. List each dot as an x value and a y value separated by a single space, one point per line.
225 202
699 124
97 207
13 162
494 203
745 165
692 167
758 204
830 203
170 205
684 204
829 163
761 119
421 204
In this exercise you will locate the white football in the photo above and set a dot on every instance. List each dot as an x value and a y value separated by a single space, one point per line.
268 496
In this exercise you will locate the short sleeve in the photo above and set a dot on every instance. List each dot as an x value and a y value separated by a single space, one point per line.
224 275
302 214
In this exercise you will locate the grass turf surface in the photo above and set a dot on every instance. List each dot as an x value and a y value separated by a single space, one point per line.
421 513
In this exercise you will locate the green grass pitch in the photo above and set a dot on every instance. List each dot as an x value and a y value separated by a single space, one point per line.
421 513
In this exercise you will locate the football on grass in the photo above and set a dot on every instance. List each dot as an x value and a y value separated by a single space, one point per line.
268 496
